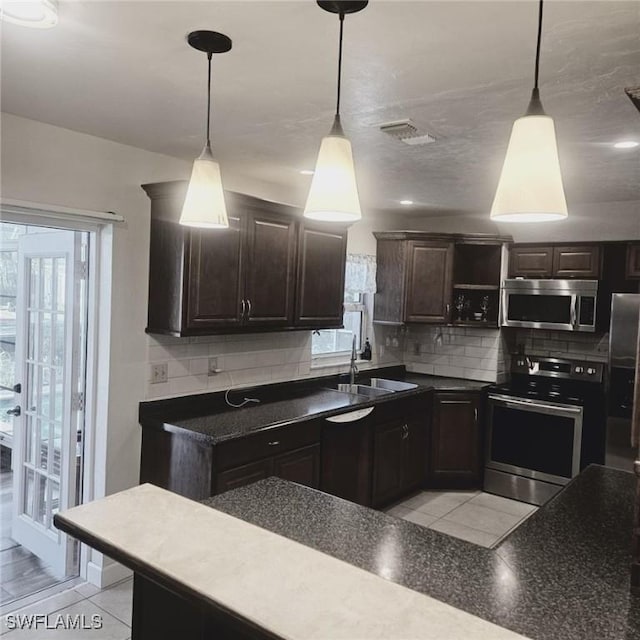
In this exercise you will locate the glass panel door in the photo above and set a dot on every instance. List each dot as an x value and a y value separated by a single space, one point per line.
50 317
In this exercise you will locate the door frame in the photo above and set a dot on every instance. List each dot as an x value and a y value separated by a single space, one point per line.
100 245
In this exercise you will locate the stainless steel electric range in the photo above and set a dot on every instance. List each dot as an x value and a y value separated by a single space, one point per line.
544 426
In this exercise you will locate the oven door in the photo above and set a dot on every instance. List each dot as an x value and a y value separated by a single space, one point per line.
534 439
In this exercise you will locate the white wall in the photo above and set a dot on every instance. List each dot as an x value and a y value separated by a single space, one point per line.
586 222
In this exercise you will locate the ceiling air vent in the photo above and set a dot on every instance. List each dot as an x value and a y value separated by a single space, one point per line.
634 95
407 132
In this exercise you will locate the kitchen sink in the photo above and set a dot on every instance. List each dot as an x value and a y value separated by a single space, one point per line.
362 390
391 385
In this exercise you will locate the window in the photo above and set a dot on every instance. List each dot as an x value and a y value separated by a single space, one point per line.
359 282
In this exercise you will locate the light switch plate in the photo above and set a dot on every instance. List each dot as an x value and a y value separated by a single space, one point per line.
213 367
159 372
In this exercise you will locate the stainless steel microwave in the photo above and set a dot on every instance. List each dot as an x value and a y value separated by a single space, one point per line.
564 305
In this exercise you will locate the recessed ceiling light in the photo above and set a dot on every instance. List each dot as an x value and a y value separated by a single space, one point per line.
406 202
38 14
306 172
626 144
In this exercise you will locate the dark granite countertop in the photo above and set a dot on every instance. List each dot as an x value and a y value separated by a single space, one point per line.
209 418
562 575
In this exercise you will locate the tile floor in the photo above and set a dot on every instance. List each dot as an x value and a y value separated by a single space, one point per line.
113 604
480 518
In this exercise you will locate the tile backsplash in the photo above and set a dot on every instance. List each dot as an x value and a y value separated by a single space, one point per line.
459 352
240 360
560 344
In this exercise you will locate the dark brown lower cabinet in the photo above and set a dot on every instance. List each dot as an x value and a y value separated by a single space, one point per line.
161 612
301 466
241 476
399 458
456 441
346 460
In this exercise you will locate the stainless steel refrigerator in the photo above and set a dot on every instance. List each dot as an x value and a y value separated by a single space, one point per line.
623 341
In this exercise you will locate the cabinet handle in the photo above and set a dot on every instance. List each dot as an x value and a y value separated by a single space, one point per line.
248 308
475 414
243 310
274 443
448 310
405 431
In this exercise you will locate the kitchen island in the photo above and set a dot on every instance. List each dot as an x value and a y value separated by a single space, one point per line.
274 559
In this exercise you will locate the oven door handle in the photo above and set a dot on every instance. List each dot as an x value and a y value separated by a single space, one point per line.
521 404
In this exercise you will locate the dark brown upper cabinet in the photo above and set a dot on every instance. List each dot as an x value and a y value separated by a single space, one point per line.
245 278
322 253
531 262
416 270
575 261
633 261
555 261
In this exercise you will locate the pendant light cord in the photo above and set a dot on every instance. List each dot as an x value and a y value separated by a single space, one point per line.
538 45
340 64
209 56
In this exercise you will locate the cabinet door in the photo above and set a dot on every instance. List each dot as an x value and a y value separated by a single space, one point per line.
321 263
536 262
388 449
246 474
455 441
346 460
429 276
633 261
576 262
414 455
301 466
270 252
214 277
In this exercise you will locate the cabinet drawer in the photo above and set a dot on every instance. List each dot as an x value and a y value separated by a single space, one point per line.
266 443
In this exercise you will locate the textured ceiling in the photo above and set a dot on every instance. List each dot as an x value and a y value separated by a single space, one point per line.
461 70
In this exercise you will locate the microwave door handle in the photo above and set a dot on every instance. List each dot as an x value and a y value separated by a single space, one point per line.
574 310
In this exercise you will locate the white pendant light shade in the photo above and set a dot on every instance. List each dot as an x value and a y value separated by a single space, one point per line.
333 195
37 14
204 205
530 187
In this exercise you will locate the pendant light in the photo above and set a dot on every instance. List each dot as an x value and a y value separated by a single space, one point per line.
530 187
333 195
37 14
204 204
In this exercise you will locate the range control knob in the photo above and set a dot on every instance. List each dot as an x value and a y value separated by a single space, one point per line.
520 363
591 371
579 370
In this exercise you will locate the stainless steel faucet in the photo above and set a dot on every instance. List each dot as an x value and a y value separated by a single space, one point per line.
352 365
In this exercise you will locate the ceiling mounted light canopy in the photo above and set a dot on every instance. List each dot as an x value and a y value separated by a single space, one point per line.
37 14
530 187
333 195
204 204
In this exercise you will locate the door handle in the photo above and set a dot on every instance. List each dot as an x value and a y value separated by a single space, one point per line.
17 388
14 412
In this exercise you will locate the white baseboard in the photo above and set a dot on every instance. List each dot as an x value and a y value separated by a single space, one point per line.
109 574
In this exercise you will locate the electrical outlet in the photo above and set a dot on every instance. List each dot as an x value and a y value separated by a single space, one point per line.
416 348
159 372
395 343
213 367
387 341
